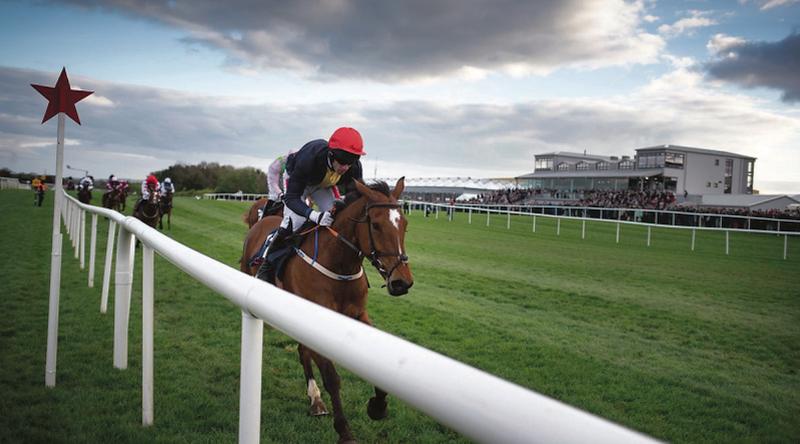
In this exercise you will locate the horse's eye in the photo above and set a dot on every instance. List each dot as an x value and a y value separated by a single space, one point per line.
376 227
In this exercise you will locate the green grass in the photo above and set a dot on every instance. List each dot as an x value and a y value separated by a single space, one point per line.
687 346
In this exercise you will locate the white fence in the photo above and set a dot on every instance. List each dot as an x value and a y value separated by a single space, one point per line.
12 183
657 217
233 196
451 210
474 403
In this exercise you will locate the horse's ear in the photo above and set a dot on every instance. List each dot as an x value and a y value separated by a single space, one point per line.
363 189
399 187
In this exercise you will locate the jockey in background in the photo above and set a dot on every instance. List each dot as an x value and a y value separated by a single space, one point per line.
113 183
276 183
149 185
314 172
167 187
87 183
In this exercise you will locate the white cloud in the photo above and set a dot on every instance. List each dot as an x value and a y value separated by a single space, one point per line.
720 44
697 19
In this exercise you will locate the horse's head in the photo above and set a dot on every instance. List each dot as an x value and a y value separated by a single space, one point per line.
381 232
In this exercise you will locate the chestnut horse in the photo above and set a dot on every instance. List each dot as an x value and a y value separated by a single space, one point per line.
370 225
252 215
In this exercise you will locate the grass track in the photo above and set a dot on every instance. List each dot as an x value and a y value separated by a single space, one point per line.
685 346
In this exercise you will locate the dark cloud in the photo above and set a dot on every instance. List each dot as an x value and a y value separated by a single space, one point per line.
396 40
762 64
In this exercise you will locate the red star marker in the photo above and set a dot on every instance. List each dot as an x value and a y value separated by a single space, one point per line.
62 99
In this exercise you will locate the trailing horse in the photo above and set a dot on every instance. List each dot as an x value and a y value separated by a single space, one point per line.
253 214
166 210
84 195
370 225
111 199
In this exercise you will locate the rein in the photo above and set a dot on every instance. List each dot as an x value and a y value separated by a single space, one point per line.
374 255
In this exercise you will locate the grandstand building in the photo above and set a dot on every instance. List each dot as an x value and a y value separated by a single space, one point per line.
674 168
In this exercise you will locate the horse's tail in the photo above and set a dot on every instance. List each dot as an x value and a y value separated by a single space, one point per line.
246 217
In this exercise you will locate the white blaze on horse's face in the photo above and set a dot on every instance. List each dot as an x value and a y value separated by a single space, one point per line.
394 216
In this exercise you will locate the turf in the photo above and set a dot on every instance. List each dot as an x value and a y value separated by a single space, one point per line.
687 346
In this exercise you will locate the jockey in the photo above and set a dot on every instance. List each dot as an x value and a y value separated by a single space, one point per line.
149 185
314 172
167 187
276 182
112 183
87 182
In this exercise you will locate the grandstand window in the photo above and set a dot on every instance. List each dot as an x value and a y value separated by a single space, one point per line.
651 160
674 160
626 165
582 166
563 166
602 165
544 163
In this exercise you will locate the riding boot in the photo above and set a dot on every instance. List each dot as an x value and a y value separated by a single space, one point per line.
266 272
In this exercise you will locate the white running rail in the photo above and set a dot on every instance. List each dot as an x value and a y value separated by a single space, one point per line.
484 408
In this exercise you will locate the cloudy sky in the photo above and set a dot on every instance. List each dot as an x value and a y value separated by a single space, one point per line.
436 87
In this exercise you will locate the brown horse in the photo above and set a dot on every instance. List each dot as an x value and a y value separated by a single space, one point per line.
166 210
274 208
149 211
123 197
111 199
84 195
370 225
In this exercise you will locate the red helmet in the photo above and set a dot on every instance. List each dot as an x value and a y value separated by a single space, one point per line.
152 179
347 139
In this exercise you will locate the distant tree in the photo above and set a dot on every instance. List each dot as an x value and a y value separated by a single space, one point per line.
221 178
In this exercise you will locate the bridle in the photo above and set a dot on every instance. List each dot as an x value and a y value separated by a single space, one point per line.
374 255
154 202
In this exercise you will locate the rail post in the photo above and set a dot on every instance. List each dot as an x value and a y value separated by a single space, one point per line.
147 335
250 379
112 228
123 279
92 250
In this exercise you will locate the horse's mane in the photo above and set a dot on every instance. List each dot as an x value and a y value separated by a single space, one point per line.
379 186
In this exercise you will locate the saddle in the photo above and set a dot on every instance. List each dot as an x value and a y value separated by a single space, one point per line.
278 257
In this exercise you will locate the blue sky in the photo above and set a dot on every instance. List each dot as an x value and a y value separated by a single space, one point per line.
437 88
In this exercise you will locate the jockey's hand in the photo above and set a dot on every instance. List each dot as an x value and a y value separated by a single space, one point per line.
324 219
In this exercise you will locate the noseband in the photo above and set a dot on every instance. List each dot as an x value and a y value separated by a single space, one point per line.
374 255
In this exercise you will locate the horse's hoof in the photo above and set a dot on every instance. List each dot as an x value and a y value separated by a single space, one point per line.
317 409
348 441
376 409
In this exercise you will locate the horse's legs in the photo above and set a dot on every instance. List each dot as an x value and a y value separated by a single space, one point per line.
332 385
376 407
169 219
317 406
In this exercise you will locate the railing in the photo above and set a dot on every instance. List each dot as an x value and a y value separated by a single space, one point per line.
420 377
12 183
233 196
585 214
657 217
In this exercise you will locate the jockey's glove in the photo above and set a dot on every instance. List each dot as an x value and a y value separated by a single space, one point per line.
324 219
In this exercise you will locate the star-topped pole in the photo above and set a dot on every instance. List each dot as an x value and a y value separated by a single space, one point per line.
61 100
